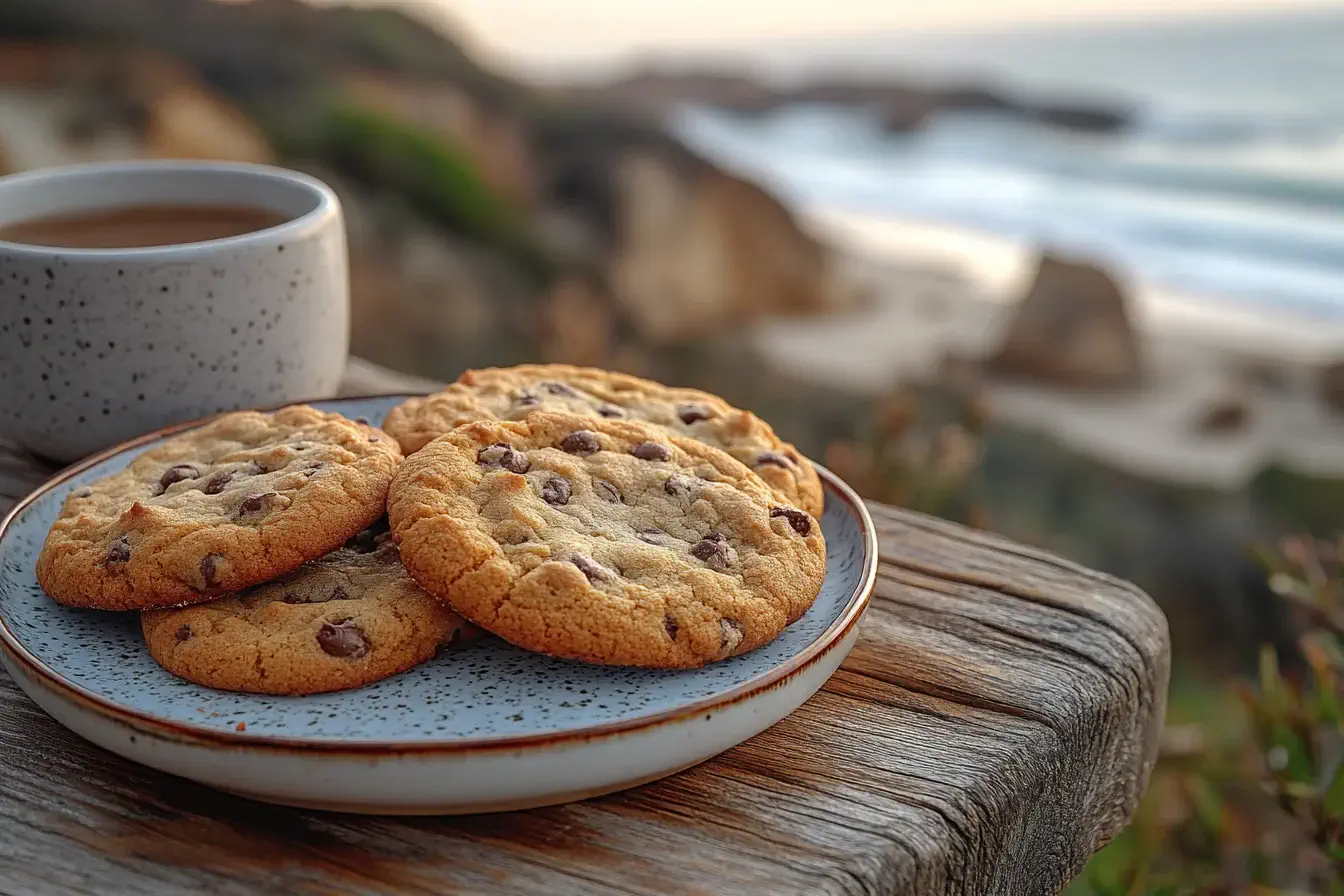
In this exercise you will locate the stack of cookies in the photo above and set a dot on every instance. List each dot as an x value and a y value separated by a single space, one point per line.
574 512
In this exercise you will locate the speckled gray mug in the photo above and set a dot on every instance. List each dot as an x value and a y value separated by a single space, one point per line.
100 345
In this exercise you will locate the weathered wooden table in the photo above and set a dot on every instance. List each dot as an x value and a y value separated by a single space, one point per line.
994 726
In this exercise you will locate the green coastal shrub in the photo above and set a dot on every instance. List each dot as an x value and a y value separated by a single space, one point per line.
1248 795
435 178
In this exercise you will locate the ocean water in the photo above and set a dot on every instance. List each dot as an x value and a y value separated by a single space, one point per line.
1229 185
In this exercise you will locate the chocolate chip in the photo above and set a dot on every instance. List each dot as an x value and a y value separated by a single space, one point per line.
582 442
209 567
338 593
690 413
592 570
312 468
730 635
119 551
678 486
610 411
651 536
256 503
556 490
670 626
84 493
504 456
773 458
527 399
651 451
183 633
364 420
177 474
300 446
705 548
559 389
801 522
366 542
215 484
607 490
344 639
715 551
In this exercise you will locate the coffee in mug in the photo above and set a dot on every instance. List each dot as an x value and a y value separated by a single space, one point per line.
136 226
136 295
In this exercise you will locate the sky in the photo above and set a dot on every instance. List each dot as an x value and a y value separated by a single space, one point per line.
543 33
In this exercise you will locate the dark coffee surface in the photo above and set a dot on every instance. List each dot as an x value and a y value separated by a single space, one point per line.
138 226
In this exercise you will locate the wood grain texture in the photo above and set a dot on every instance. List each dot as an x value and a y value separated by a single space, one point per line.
994 726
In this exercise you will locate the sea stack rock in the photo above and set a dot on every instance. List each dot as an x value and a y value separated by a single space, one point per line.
1331 385
1073 329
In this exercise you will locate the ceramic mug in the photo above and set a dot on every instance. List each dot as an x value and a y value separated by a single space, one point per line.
100 345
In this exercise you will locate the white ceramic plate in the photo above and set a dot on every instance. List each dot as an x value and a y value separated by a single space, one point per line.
485 728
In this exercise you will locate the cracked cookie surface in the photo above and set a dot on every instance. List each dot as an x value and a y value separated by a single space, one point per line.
606 541
511 393
241 500
343 621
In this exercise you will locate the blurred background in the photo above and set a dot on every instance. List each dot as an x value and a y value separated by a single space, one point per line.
1071 271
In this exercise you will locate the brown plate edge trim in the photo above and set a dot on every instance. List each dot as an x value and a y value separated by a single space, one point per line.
447 809
44 676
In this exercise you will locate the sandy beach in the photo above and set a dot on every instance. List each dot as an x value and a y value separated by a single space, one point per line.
934 293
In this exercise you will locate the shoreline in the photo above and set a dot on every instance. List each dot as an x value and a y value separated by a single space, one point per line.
1001 269
936 294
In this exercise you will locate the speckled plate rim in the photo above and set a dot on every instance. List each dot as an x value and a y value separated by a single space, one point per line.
44 676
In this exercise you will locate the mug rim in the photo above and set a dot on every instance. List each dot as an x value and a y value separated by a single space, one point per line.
327 206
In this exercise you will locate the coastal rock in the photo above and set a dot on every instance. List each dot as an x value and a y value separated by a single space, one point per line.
69 104
653 93
698 250
1227 415
485 214
684 247
1331 386
1072 329
896 105
422 298
577 325
1085 119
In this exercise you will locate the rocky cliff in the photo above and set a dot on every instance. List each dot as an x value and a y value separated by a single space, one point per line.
61 104
497 216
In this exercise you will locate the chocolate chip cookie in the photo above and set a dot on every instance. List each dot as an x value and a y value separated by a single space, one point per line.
607 541
234 503
511 393
348 619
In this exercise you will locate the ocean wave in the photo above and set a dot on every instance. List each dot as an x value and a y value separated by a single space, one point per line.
1214 222
1187 126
